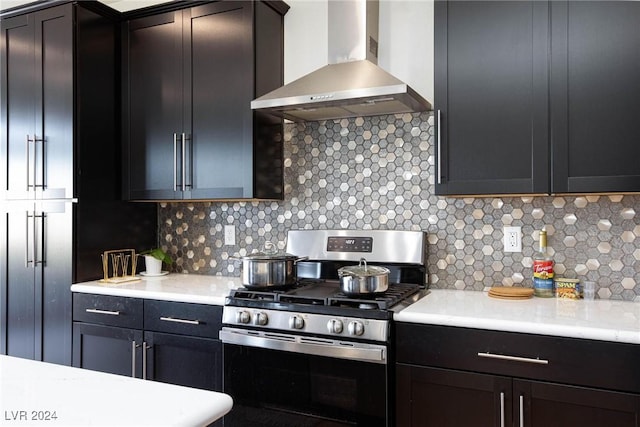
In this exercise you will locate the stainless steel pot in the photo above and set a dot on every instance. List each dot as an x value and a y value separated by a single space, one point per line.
268 268
363 279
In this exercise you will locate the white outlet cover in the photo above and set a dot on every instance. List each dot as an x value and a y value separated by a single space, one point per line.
230 235
512 240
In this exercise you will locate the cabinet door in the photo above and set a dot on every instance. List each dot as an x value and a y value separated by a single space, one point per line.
595 102
18 284
154 109
17 65
37 100
220 86
184 360
491 98
107 349
53 250
35 279
432 397
547 405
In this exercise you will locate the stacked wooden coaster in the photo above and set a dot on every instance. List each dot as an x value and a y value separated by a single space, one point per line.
510 292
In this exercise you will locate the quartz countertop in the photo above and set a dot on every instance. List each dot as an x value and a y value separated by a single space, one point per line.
194 288
606 320
39 393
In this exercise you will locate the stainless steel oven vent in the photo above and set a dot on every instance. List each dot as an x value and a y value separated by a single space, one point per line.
352 84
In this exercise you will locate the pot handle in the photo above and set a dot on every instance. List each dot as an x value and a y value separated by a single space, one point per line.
302 258
235 258
270 248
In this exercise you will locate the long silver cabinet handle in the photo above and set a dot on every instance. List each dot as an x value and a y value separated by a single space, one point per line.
27 261
29 140
133 359
35 172
514 358
502 409
42 241
33 242
98 311
184 162
173 319
145 347
521 411
439 142
175 162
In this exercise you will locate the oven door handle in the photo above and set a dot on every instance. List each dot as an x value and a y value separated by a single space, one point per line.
306 345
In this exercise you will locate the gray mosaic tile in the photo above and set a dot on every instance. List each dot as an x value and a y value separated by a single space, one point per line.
378 172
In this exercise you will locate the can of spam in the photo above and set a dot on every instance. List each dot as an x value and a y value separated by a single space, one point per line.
568 288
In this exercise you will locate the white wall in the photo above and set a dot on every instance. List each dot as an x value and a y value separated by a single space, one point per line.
405 45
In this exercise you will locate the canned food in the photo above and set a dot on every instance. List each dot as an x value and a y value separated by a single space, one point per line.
568 288
543 287
543 269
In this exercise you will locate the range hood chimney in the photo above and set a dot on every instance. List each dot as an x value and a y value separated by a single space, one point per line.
352 84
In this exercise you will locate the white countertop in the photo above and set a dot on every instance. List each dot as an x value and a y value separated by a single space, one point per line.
194 288
606 320
32 393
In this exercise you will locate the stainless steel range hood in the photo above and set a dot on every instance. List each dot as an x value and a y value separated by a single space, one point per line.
352 84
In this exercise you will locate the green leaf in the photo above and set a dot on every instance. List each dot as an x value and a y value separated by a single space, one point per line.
158 253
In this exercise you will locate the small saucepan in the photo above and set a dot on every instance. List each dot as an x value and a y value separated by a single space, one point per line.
363 279
268 268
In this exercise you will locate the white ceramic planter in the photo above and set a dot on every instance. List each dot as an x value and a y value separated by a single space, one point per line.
153 265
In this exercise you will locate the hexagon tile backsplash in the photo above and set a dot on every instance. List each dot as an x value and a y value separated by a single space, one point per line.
378 173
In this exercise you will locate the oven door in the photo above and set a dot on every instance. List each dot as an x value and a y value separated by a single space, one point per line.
277 380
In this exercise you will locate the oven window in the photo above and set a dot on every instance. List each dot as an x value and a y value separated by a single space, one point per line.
277 388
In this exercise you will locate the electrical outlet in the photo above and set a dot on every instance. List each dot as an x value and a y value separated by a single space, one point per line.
230 235
512 239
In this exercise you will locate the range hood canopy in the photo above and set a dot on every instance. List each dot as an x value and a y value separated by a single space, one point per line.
352 84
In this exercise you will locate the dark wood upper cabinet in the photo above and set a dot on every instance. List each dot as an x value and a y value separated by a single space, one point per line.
60 171
537 97
189 130
37 87
490 97
595 103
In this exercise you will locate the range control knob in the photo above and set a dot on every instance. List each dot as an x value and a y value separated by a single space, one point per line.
296 322
356 328
243 317
260 319
335 326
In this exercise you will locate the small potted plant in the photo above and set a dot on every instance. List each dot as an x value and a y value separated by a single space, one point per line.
153 259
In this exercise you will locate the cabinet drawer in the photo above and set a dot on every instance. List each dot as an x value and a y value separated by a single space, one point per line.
565 360
108 310
198 320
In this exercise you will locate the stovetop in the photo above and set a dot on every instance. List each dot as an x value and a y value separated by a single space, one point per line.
327 293
324 297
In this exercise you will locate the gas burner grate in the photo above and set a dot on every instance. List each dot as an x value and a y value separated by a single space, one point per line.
382 301
327 293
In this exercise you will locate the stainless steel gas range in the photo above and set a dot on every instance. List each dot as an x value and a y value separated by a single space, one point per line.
311 355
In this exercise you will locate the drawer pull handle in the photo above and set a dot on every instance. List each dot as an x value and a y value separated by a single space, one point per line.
514 358
97 311
172 319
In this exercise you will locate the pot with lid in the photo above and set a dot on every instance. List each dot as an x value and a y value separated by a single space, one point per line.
363 279
268 268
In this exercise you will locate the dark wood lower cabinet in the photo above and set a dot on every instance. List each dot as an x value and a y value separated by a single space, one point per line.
459 377
446 398
549 405
107 349
183 360
163 341
435 397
